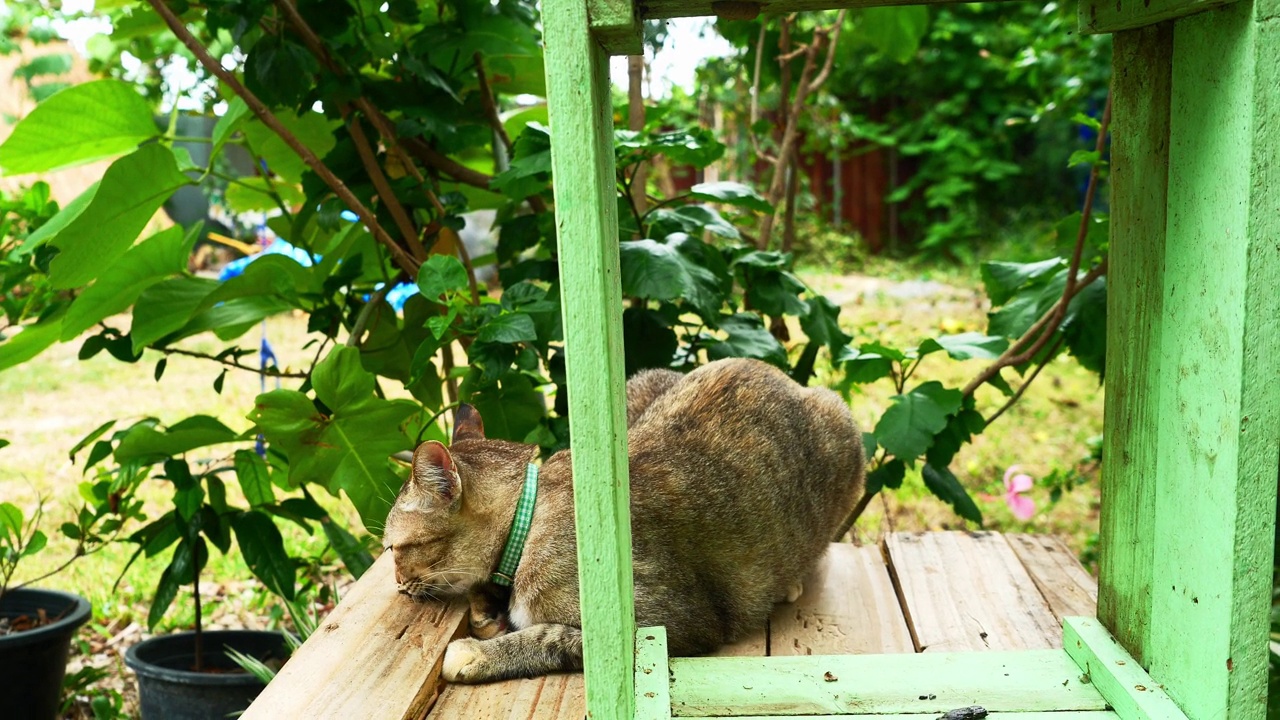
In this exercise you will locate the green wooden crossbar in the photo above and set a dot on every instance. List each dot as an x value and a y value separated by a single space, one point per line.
1192 421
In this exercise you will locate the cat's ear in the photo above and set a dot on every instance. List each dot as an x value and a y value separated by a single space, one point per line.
467 424
434 474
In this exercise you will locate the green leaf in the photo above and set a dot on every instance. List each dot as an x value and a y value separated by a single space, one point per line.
144 442
670 271
59 222
312 129
731 193
945 485
188 495
11 521
255 480
861 366
894 31
960 429
35 544
353 554
1085 327
648 340
285 415
748 338
821 324
278 276
1003 279
143 265
227 125
888 475
279 70
80 124
508 328
511 408
131 191
29 343
907 428
263 549
775 292
441 274
161 364
966 346
1083 157
340 380
166 307
692 219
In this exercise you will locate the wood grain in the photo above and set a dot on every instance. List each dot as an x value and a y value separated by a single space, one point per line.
848 607
1218 415
377 656
1061 579
1143 62
968 591
1126 687
581 118
553 697
1025 680
1105 16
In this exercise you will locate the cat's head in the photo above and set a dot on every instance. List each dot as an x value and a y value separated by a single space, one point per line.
445 528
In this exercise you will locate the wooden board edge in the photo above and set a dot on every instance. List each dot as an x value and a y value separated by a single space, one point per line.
1052 715
1116 675
433 685
1107 16
653 677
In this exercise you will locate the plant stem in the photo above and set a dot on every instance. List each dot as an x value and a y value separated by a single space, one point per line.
1049 323
489 102
195 581
366 312
269 372
260 110
1026 383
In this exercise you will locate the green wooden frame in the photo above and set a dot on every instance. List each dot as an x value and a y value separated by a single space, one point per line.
1193 401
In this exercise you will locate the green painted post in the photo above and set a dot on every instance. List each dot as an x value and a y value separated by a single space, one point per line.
1143 63
587 230
1217 422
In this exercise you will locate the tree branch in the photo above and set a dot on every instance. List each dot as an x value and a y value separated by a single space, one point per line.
383 188
489 102
1026 383
1049 323
268 372
260 110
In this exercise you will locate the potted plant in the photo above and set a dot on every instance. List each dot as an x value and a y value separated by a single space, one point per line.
36 624
197 674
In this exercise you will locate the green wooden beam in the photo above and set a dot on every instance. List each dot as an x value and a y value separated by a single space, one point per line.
653 677
1142 62
582 162
1027 680
1104 16
1218 415
1121 680
615 26
745 10
1092 715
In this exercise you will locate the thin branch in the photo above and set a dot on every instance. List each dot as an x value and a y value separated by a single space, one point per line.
1027 383
489 102
755 82
268 372
444 164
366 312
1049 323
856 513
269 119
383 188
831 54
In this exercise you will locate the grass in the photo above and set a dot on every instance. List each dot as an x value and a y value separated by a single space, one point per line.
55 400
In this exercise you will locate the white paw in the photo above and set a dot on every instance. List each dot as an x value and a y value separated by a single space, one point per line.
461 659
795 592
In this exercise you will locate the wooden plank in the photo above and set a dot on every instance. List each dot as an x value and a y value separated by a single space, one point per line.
615 26
1104 16
1119 678
579 103
377 655
1091 715
1061 579
848 607
739 10
653 683
552 697
1141 76
754 645
1219 409
1024 680
968 591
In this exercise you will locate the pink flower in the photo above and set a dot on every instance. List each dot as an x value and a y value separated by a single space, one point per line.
1024 508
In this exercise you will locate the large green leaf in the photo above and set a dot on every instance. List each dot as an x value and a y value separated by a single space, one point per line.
340 380
263 549
353 554
512 408
311 128
1003 279
692 219
907 428
731 193
441 274
166 306
748 337
821 323
145 264
862 365
29 343
894 31
889 475
667 271
272 275
942 483
1085 327
131 191
77 125
144 442
966 346
59 222
512 327
254 477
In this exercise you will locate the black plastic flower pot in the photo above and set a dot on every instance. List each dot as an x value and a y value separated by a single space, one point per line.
170 689
33 662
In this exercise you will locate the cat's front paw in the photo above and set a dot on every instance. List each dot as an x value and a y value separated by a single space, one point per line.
462 661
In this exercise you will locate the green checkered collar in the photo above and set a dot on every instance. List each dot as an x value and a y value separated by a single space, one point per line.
506 572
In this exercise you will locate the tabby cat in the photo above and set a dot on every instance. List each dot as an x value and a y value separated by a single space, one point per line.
739 478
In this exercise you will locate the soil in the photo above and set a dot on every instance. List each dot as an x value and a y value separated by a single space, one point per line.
24 622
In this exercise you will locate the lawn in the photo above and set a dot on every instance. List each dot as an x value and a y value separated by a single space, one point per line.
57 399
